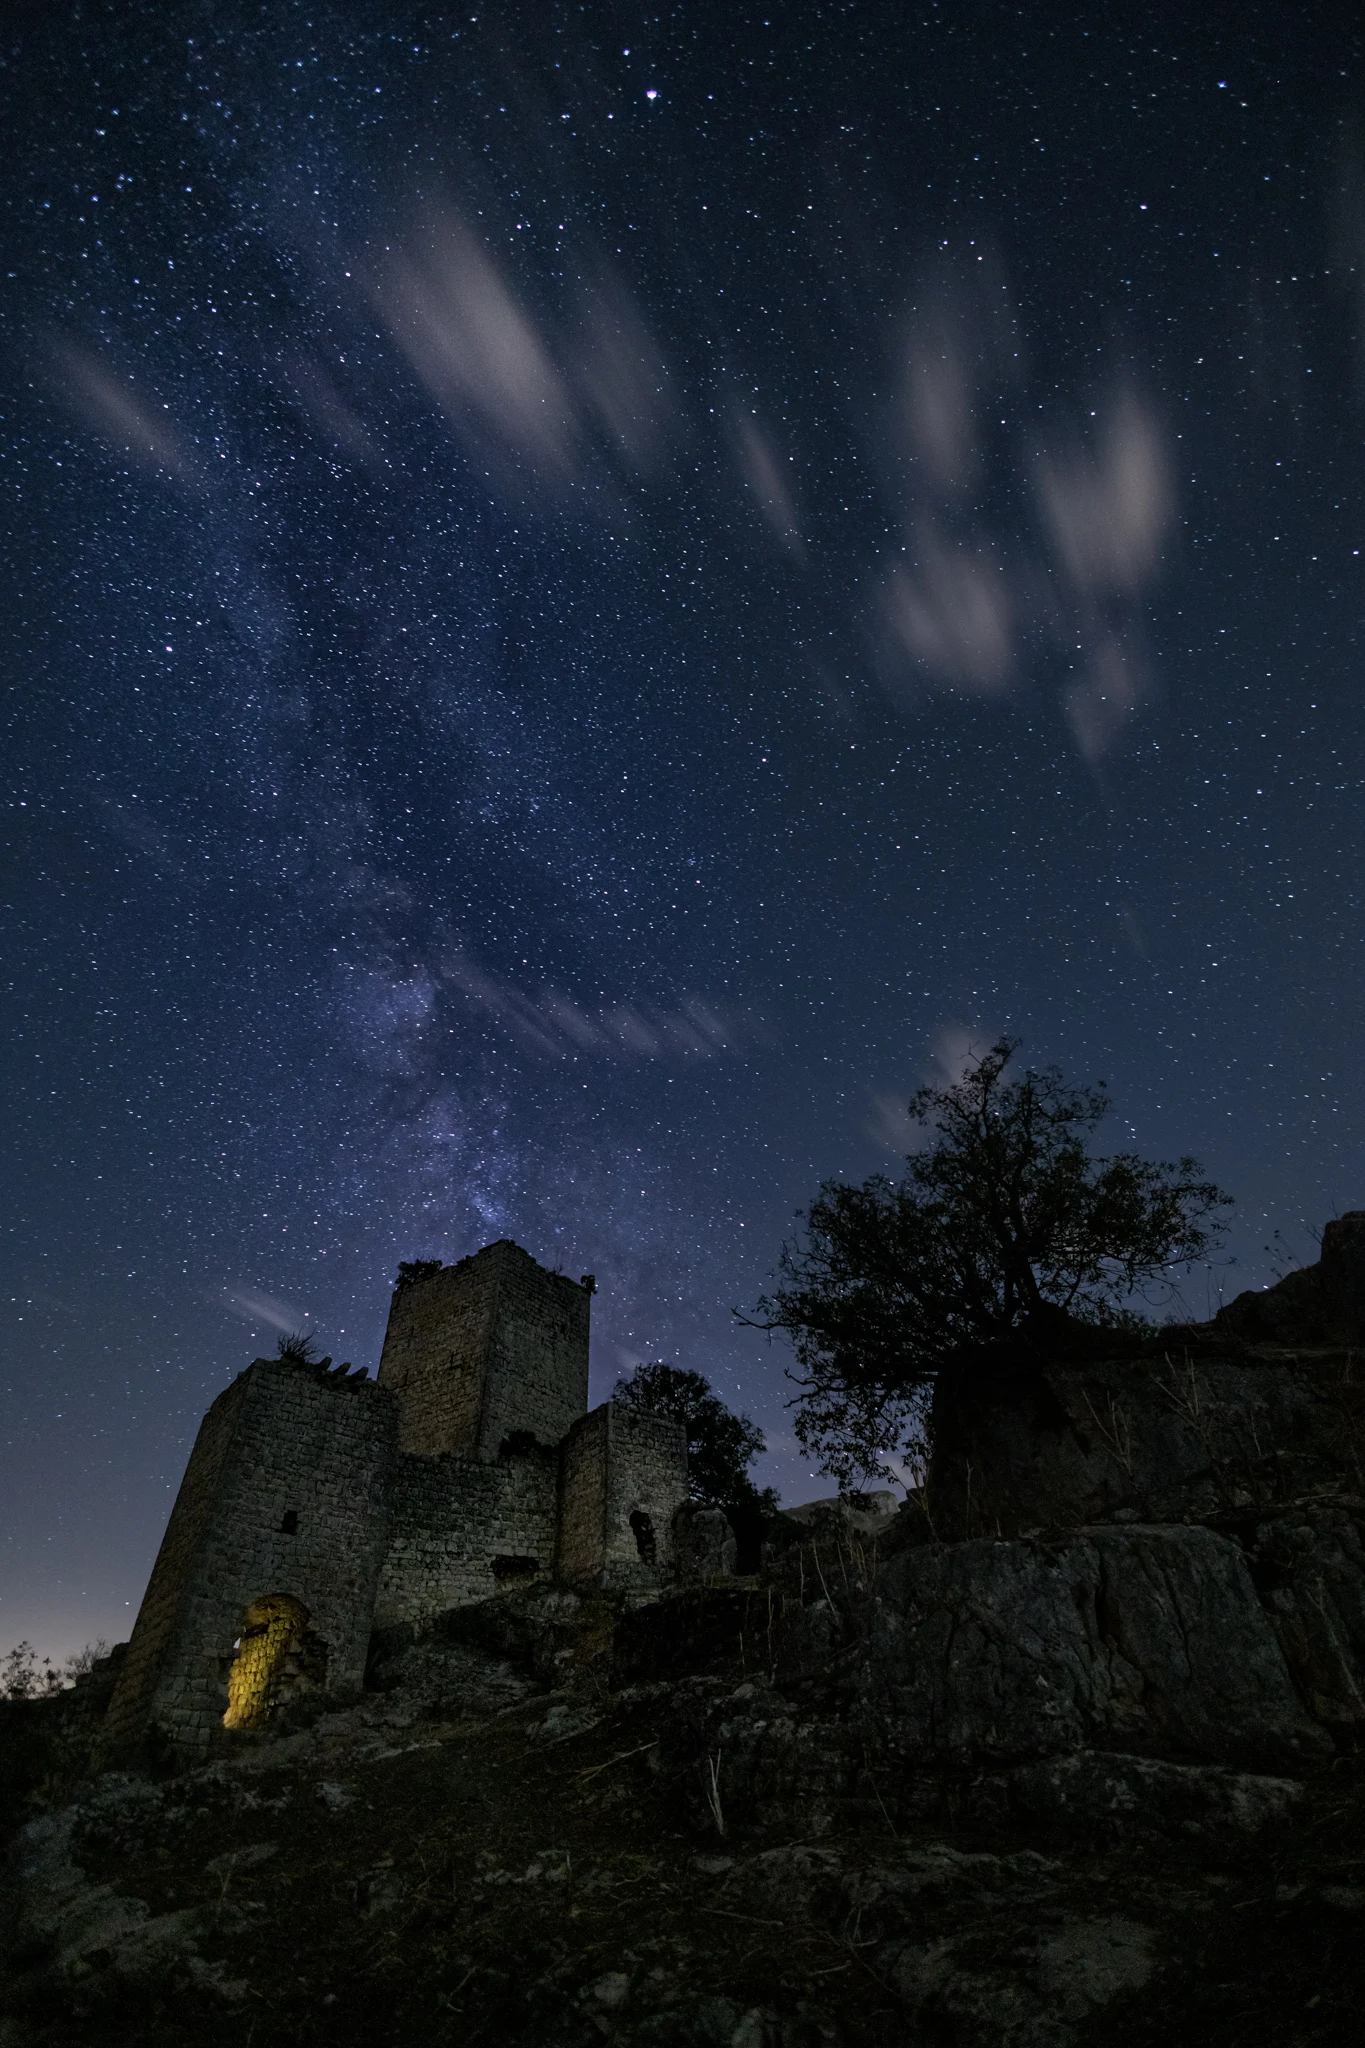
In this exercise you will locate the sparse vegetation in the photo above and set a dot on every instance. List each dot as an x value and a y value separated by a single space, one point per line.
297 1347
416 1269
26 1676
49 1725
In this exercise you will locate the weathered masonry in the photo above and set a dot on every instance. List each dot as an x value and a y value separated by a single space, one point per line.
319 1504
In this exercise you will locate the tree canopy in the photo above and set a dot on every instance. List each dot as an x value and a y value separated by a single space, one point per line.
721 1445
1003 1221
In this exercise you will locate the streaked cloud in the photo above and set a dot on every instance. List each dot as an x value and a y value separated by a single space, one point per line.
1109 507
938 411
539 398
951 611
477 349
262 1311
954 1047
1101 703
398 1018
890 1124
766 475
621 374
334 420
122 411
554 1026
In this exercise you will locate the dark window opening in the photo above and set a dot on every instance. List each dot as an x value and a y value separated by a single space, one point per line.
644 1535
518 1445
290 1525
748 1526
515 1567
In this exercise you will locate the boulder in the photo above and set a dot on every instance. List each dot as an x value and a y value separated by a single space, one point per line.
1095 1789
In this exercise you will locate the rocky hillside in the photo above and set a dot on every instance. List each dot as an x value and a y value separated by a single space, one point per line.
1067 1751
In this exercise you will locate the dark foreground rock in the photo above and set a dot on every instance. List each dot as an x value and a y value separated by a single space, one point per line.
1147 1639
985 1793
569 1870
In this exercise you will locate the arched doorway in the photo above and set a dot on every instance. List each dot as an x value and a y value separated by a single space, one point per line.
273 1635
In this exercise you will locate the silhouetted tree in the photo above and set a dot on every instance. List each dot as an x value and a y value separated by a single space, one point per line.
721 1445
1003 1222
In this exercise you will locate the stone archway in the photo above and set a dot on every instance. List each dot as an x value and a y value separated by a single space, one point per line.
274 1627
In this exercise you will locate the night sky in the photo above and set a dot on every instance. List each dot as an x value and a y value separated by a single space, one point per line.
593 596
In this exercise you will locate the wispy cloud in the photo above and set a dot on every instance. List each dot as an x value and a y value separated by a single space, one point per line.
262 1311
951 611
953 1048
1109 507
984 597
123 411
764 473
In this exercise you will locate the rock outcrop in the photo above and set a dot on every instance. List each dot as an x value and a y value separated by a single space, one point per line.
1134 1585
1322 1304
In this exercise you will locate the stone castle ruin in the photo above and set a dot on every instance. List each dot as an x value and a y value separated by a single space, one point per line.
319 1505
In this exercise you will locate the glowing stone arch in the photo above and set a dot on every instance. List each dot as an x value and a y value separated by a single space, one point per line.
272 1628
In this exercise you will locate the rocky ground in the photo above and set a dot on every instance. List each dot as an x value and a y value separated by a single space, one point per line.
520 1839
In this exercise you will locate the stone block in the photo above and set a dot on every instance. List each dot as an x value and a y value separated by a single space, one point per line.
704 1544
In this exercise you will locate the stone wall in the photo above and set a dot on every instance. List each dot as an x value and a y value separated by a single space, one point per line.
435 1355
285 1495
624 1477
582 1497
168 1589
485 1350
460 1529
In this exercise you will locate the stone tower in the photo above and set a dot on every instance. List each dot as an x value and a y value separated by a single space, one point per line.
283 1500
492 1350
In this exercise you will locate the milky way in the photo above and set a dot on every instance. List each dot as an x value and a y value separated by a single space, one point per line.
592 598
